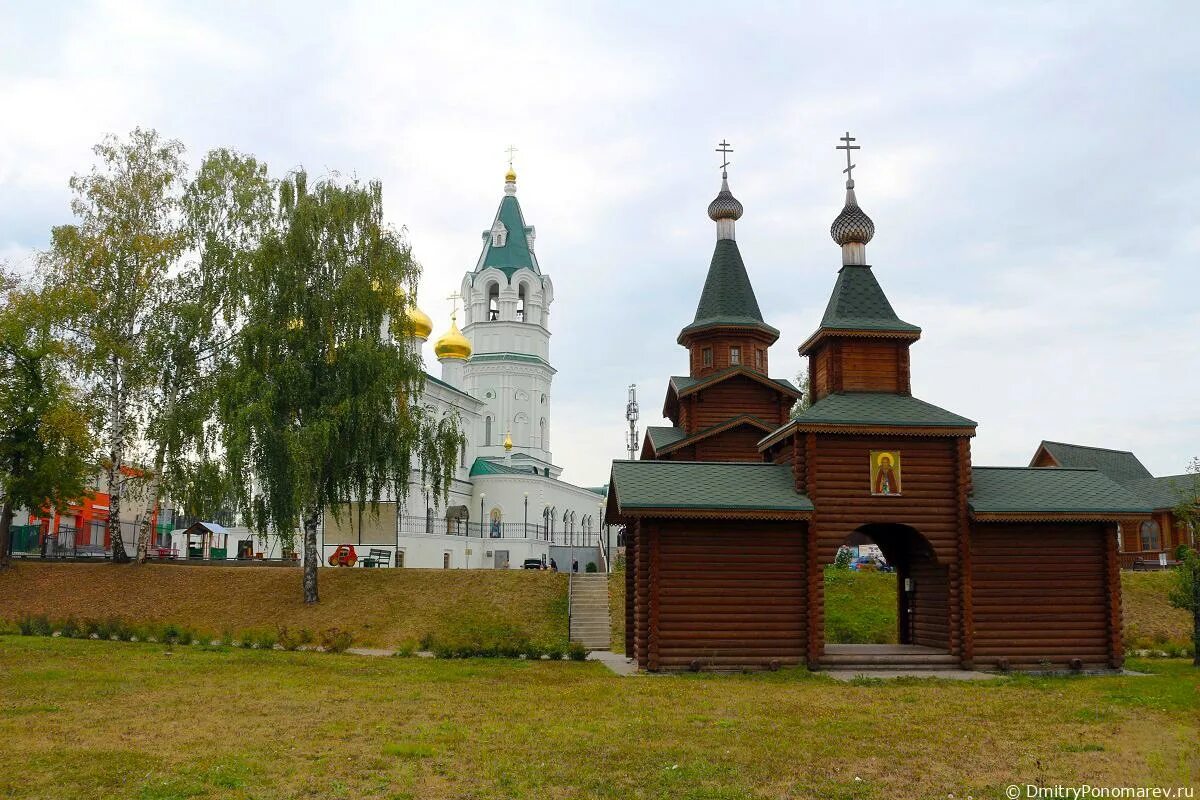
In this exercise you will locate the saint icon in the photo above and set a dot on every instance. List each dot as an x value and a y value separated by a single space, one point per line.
885 472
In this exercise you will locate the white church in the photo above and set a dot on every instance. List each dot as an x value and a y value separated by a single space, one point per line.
507 504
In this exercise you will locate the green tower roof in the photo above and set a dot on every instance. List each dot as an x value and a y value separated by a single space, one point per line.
858 303
728 298
516 253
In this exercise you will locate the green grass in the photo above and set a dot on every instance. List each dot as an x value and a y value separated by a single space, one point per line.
89 719
860 607
380 607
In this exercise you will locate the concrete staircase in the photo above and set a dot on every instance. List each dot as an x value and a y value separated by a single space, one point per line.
867 658
590 622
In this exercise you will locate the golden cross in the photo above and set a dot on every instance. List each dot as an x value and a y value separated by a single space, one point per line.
511 149
454 298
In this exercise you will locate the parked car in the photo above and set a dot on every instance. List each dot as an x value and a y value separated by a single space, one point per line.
871 564
533 563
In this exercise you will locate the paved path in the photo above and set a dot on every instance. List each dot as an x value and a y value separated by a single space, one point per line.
617 662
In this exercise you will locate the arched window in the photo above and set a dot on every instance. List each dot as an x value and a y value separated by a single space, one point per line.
542 428
493 301
521 295
1150 538
487 432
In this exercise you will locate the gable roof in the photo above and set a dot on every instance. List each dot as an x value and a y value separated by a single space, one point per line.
661 436
439 382
516 253
1167 491
482 466
1120 465
871 409
712 430
1051 491
858 303
728 297
718 486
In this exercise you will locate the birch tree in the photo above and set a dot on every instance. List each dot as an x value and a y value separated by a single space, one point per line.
319 404
116 260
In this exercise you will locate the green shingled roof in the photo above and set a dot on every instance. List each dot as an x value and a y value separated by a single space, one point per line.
1167 491
879 409
482 466
858 303
728 298
1050 490
661 436
682 383
1120 465
516 253
725 486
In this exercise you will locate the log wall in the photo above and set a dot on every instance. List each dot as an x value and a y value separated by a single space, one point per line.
1045 593
722 595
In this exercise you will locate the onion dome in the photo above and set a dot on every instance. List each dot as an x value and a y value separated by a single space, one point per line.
452 344
508 445
725 206
852 226
510 176
420 322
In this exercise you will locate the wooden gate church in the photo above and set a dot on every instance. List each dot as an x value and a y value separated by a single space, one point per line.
733 512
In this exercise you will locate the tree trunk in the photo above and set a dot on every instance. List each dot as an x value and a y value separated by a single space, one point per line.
1194 563
311 559
152 491
6 518
116 455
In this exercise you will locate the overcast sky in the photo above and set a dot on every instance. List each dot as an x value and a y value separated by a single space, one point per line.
1032 172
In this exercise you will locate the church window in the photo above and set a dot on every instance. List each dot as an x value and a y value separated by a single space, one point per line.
542 430
760 358
487 432
706 356
521 294
493 301
1150 535
499 234
735 356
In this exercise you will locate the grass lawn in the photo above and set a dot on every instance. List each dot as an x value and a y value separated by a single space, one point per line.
382 607
89 719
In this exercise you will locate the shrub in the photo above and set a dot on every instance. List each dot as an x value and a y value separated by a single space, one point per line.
294 640
406 649
69 629
843 558
260 640
40 626
533 652
577 652
335 640
591 567
554 652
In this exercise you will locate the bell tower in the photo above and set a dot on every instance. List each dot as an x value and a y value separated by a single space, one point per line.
506 306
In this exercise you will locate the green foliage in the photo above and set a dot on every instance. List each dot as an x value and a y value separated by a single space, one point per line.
1183 591
576 651
843 558
47 452
318 404
591 567
293 640
107 272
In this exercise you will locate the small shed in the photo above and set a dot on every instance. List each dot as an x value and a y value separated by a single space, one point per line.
206 540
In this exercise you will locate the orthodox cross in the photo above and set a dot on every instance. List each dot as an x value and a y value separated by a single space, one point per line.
454 298
510 152
848 147
724 149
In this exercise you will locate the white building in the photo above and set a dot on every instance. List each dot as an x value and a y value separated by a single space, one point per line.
496 381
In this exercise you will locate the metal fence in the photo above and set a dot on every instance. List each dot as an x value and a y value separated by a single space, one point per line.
434 526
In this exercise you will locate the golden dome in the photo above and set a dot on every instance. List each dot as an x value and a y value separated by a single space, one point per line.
510 176
508 442
452 344
420 322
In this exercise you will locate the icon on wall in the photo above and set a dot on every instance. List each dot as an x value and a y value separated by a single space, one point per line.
885 472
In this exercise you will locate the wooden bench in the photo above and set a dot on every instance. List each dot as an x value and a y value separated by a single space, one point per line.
377 558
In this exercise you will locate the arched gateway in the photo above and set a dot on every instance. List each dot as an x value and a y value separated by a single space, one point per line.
734 511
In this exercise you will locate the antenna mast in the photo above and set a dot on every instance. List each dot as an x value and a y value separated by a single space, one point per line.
631 414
